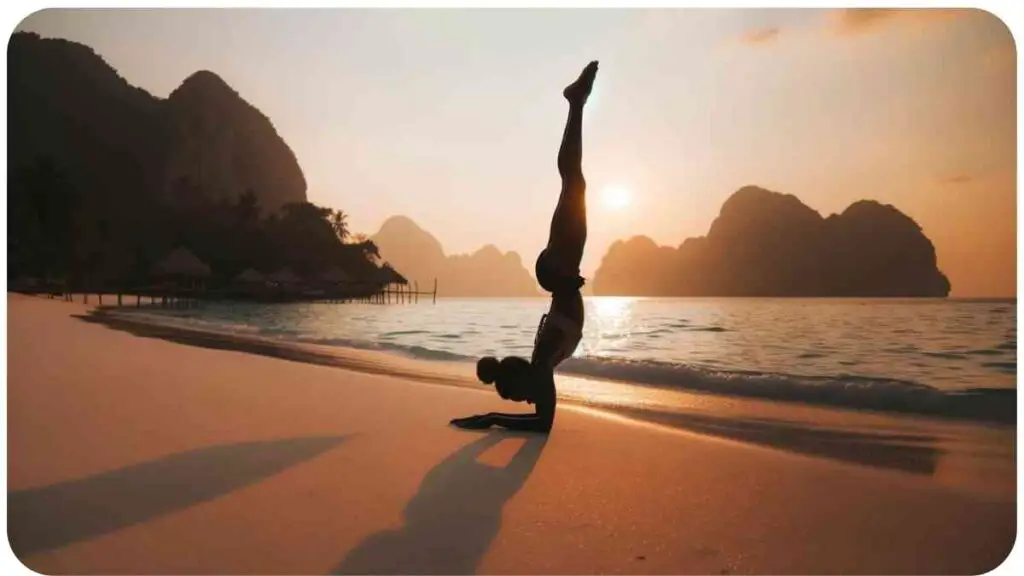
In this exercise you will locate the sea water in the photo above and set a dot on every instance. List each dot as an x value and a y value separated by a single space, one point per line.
945 358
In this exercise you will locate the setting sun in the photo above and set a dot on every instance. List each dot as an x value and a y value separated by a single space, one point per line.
616 197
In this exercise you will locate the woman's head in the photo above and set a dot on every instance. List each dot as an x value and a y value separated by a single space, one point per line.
487 369
513 376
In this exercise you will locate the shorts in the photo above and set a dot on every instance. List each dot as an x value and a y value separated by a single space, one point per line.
556 340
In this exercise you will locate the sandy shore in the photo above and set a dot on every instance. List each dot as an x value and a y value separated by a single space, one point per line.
141 455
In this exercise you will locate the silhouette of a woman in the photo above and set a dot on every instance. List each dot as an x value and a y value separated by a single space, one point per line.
558 272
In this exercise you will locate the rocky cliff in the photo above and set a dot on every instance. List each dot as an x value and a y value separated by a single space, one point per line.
126 147
487 272
768 244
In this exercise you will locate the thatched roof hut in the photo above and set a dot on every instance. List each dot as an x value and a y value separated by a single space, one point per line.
181 263
389 275
335 275
250 276
284 276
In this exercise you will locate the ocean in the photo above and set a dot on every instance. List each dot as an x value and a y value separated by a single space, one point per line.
937 358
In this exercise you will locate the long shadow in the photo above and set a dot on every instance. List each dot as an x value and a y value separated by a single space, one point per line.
914 453
450 523
41 519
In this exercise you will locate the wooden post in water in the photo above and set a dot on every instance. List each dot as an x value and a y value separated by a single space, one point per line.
435 290
416 290
118 299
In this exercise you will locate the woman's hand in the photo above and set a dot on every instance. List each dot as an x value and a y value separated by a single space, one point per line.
478 422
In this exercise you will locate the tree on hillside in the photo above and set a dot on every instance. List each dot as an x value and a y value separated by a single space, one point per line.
247 208
55 232
43 202
339 223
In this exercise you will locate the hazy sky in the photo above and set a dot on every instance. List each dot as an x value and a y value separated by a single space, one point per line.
453 117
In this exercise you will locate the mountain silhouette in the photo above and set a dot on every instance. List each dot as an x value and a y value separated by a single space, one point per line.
488 272
764 243
128 147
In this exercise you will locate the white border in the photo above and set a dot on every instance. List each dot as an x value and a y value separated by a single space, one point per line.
13 12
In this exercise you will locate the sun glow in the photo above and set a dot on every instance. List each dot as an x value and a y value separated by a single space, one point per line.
616 197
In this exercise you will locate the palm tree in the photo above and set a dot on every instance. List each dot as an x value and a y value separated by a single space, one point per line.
247 208
339 223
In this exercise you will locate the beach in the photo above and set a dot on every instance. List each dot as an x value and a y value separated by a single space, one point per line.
135 453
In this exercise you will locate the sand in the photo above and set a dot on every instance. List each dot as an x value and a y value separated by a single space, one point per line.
129 454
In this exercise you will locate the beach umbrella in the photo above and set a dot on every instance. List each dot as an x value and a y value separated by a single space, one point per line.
284 276
389 275
180 262
335 275
250 276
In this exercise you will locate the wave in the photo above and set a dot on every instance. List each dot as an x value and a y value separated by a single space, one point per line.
984 352
944 355
841 391
1009 367
995 405
416 352
402 333
655 332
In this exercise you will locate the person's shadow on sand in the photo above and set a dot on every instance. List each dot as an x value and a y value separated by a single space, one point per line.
450 523
49 517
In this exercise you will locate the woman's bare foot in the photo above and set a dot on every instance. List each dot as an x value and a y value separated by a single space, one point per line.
578 91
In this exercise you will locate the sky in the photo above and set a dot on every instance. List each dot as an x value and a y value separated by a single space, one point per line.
453 117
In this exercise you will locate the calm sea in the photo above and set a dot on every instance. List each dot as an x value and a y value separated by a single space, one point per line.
947 358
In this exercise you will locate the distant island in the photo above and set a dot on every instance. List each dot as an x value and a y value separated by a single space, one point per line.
488 272
768 244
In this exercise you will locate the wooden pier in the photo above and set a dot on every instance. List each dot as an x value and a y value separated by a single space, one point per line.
183 298
402 294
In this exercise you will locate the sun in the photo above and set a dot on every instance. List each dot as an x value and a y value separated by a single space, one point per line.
616 197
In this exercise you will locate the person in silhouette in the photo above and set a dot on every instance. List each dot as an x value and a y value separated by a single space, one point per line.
558 272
